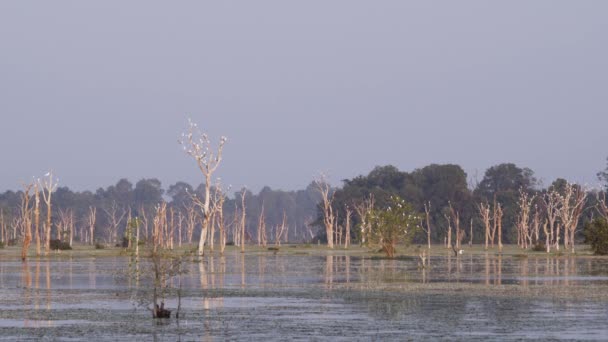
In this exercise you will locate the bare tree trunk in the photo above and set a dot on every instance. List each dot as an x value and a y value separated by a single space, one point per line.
91 222
449 237
571 208
484 212
427 212
48 187
328 212
349 214
243 215
197 145
37 218
2 227
26 219
363 209
498 213
262 228
115 217
280 230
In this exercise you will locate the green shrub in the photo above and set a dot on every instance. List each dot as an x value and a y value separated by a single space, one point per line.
1 244
59 245
99 245
596 234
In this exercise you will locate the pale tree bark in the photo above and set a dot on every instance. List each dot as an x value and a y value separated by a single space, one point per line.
349 214
91 218
262 228
159 226
243 219
547 236
498 213
191 219
198 146
2 227
171 228
328 212
571 208
523 219
37 218
180 226
537 222
550 202
115 216
144 221
459 232
448 241
280 230
486 217
236 226
363 209
219 197
49 185
26 219
66 225
427 215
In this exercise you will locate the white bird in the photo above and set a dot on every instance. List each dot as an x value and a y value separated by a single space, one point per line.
460 251
47 174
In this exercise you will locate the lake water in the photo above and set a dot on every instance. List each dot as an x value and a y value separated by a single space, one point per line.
261 296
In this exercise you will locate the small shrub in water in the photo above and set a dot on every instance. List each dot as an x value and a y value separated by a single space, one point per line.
1 244
99 246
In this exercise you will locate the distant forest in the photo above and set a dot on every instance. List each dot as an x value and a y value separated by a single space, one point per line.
436 186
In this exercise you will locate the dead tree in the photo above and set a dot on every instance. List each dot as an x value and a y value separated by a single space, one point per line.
448 241
329 217
219 197
180 226
191 219
115 216
37 218
66 225
550 203
349 214
498 213
486 217
91 218
524 233
363 209
262 228
159 226
26 219
243 219
572 203
455 215
198 146
536 223
49 185
2 227
280 230
427 229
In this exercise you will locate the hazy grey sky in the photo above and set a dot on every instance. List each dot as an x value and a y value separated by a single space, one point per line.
99 90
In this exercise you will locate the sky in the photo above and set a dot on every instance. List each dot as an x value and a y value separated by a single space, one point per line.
101 90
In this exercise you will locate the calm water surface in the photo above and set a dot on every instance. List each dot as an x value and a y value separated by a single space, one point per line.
305 297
